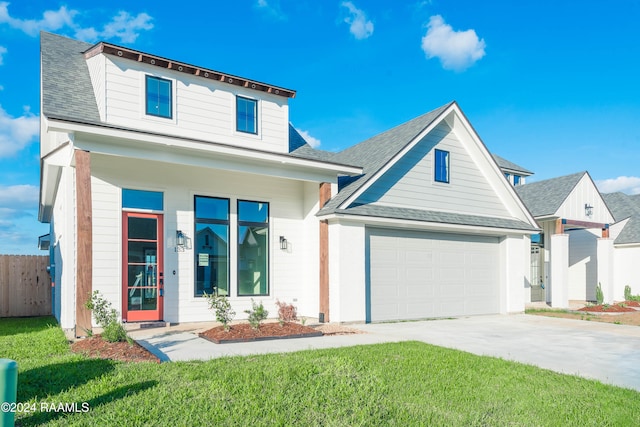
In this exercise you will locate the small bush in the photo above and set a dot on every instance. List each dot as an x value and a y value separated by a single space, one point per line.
257 314
599 294
107 317
628 296
286 312
222 309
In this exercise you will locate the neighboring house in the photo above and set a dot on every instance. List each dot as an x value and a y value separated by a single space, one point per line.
163 180
572 254
516 174
626 242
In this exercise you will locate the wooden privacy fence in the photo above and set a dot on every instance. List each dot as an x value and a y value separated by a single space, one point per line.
25 286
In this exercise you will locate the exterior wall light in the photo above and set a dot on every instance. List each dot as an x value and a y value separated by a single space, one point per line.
283 243
588 209
181 240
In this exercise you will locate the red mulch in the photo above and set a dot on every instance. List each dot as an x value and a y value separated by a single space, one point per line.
96 347
632 303
244 332
613 308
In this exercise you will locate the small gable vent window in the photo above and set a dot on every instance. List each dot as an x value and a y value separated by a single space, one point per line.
441 166
158 97
246 115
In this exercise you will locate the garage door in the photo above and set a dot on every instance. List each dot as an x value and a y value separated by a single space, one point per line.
413 275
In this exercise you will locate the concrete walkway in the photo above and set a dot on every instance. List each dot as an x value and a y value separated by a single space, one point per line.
606 352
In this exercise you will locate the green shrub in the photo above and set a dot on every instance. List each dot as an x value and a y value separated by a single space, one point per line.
107 317
628 296
599 294
257 314
222 309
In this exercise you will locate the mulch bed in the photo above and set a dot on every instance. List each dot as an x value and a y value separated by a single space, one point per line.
243 332
610 308
96 347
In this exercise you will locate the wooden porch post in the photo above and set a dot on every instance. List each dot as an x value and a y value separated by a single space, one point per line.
559 226
325 195
84 241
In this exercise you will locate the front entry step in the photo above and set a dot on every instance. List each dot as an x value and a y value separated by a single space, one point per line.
132 326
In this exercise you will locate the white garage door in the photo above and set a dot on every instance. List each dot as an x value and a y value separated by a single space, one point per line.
415 275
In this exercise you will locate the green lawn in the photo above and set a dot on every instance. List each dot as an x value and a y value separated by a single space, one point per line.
399 384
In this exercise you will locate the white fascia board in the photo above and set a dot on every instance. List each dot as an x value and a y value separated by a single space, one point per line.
203 147
426 226
51 168
395 159
506 189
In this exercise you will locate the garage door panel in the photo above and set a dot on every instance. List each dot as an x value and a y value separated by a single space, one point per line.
422 274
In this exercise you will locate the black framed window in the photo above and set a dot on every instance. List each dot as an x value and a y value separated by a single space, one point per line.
441 166
158 97
253 248
211 248
246 115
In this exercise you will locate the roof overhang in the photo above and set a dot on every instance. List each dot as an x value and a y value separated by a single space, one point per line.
205 73
51 166
117 141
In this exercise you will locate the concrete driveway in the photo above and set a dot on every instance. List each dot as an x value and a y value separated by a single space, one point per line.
606 352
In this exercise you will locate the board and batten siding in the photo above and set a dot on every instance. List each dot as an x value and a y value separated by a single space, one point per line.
291 214
583 264
410 182
585 192
202 109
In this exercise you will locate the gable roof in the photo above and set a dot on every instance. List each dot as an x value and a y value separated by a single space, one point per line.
376 152
624 206
544 198
510 166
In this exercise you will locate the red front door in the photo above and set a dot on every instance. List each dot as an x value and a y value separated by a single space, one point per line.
142 267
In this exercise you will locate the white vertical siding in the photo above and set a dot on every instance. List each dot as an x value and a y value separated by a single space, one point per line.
583 262
293 275
585 192
410 183
625 270
202 109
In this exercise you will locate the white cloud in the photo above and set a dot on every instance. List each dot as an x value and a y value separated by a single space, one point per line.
22 196
3 50
625 184
123 26
17 132
314 142
456 50
271 9
359 25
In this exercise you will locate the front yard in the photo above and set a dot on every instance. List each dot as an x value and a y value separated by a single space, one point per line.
401 384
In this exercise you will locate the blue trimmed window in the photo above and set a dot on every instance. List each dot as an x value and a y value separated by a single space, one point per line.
246 115
441 166
158 97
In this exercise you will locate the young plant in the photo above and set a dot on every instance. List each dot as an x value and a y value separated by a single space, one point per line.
222 309
257 314
599 294
286 312
107 318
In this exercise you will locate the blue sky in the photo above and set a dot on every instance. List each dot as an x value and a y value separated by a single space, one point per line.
552 86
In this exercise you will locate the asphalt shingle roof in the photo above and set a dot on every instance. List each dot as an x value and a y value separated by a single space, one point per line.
506 164
545 197
623 206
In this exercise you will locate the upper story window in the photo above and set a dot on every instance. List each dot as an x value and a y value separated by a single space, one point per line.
246 115
441 166
158 97
516 180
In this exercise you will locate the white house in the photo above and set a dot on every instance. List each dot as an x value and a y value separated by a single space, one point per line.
162 180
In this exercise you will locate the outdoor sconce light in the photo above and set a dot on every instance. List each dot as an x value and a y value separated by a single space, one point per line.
283 243
181 239
588 209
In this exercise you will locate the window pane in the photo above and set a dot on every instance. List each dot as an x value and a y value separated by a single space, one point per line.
158 97
441 166
253 260
246 115
253 212
212 208
140 199
142 228
211 253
